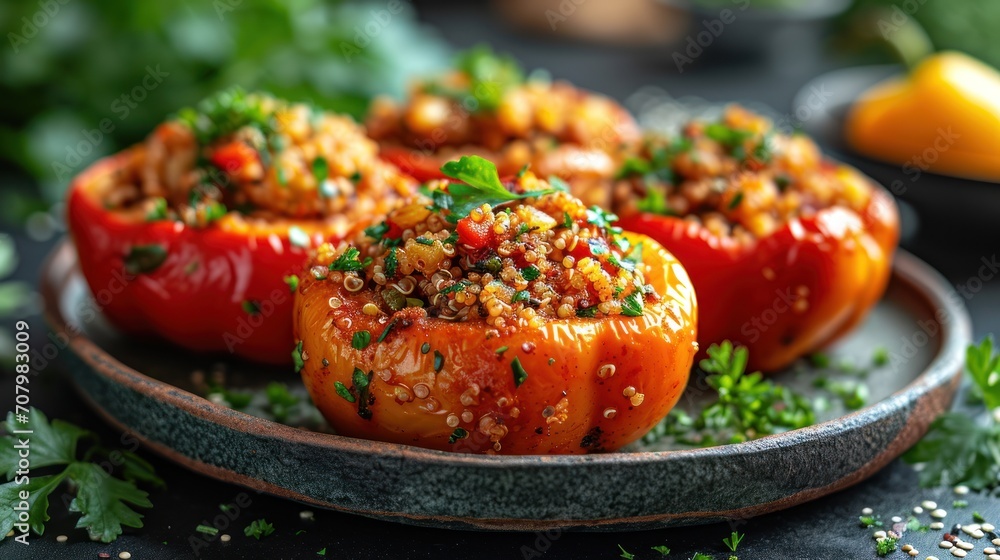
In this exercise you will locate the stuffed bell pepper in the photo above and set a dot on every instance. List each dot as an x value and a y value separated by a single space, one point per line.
485 317
786 250
488 108
193 235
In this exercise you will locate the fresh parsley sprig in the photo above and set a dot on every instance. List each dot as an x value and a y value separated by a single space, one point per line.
960 448
479 184
104 500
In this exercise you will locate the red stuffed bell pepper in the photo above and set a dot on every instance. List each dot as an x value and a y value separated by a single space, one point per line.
487 108
787 251
496 323
192 236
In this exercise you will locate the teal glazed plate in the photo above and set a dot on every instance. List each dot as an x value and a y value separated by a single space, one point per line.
147 389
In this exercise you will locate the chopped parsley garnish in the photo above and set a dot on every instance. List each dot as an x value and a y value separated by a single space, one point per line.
459 433
423 240
632 305
663 550
728 137
490 75
102 483
567 220
522 171
588 312
520 375
385 332
259 528
734 540
603 219
438 361
343 391
958 448
251 307
361 340
391 263
530 273
348 261
297 357
501 350
735 202
480 184
881 357
521 296
158 211
655 201
293 282
625 554
885 546
206 530
143 259
978 517
377 231
320 169
456 287
869 521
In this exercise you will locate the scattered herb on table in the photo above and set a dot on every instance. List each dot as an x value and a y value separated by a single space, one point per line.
869 521
625 554
885 545
104 500
663 550
961 448
258 529
206 530
276 402
700 556
734 540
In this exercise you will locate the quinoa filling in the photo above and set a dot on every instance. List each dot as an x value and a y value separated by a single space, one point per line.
513 255
257 156
737 177
487 102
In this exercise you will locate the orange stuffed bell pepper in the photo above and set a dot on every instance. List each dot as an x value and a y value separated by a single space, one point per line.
193 235
786 251
487 108
489 320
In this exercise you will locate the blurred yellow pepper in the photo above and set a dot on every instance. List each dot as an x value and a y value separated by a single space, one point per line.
943 117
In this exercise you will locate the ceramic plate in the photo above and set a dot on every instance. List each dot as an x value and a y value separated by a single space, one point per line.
147 389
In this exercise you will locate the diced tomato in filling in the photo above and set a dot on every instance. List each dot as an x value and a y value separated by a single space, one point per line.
233 156
477 235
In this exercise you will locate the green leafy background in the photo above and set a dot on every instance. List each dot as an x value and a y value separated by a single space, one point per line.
65 77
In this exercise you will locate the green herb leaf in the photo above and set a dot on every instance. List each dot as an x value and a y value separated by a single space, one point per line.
625 554
530 273
663 550
348 261
385 332
361 340
391 263
320 169
158 211
520 375
377 231
587 312
259 528
459 433
480 184
632 305
297 360
143 259
293 282
104 501
343 391
490 75
250 307
206 530
733 542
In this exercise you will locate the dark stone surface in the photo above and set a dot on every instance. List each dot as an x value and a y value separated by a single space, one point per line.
822 529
